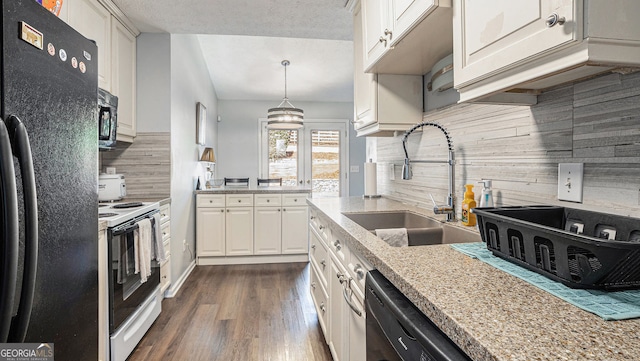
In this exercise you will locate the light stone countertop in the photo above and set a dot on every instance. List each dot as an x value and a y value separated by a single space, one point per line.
490 314
253 189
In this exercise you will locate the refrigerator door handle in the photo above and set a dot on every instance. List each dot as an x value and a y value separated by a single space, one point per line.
22 150
10 232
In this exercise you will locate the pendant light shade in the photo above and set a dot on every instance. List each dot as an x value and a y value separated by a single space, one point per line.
285 115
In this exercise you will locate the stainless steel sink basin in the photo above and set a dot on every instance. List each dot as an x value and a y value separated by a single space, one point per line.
396 219
421 231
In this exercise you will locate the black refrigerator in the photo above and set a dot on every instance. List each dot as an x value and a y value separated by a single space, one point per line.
48 183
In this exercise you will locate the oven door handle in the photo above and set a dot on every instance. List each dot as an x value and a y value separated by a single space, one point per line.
124 230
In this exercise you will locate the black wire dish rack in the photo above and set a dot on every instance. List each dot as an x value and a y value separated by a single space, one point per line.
581 249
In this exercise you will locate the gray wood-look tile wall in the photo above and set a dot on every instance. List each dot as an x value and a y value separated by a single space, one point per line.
595 122
145 163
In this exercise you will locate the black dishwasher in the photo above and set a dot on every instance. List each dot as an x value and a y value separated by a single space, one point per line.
397 330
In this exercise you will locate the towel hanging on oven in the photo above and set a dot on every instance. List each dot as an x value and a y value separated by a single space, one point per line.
142 248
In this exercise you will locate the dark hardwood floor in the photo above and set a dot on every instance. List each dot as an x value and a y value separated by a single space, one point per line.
240 312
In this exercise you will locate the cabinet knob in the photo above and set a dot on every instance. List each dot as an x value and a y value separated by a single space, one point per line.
312 217
295 199
313 285
320 227
239 200
337 244
313 246
222 210
278 209
210 201
359 271
383 40
388 32
323 263
554 19
284 209
268 200
323 308
227 211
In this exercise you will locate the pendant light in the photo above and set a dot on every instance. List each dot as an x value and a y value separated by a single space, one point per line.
285 115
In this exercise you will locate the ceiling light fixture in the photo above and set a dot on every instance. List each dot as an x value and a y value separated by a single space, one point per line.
285 115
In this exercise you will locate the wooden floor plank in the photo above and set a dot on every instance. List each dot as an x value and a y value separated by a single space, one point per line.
238 312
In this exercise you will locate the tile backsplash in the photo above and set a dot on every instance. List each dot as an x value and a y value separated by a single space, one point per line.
595 122
145 163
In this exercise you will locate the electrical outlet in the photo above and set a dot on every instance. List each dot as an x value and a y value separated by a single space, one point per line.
355 169
570 182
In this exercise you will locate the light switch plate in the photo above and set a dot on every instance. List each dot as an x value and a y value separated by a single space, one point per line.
570 182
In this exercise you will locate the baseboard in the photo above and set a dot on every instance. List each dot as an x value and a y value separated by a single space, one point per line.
175 286
211 261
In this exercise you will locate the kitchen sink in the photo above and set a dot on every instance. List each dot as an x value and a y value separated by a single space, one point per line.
396 219
421 230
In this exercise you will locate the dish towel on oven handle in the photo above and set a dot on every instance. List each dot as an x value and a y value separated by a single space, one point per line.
157 249
142 249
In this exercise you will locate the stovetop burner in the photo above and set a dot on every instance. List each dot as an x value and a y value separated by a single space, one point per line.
127 205
107 214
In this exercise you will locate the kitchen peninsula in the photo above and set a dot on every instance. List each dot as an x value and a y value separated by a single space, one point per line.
240 225
488 313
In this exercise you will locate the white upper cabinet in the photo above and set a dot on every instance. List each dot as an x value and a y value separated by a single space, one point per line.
376 29
509 51
405 36
93 21
383 103
123 78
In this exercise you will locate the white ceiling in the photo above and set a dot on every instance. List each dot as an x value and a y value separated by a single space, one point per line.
244 41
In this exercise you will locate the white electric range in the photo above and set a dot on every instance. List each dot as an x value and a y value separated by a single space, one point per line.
115 213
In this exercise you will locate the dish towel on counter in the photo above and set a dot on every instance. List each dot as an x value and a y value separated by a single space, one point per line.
142 248
157 249
395 237
612 305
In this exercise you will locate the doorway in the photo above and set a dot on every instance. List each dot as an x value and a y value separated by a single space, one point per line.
313 156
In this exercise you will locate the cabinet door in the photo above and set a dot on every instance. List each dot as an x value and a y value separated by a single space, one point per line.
408 13
338 314
123 78
357 332
93 21
364 84
210 232
295 230
267 230
508 33
377 29
239 231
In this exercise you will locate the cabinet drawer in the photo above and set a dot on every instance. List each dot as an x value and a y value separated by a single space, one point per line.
239 200
165 213
319 225
320 299
165 230
319 257
267 200
208 200
294 199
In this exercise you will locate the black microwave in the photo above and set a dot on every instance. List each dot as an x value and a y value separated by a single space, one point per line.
107 119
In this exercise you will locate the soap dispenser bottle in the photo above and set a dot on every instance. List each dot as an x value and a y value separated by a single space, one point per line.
468 218
486 198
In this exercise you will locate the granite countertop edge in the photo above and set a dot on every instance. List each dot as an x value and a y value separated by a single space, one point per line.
243 190
457 292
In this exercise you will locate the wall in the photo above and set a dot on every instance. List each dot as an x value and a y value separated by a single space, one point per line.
238 149
189 85
595 122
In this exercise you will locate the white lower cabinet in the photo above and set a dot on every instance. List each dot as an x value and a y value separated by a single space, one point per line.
239 231
251 228
210 232
268 230
341 271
